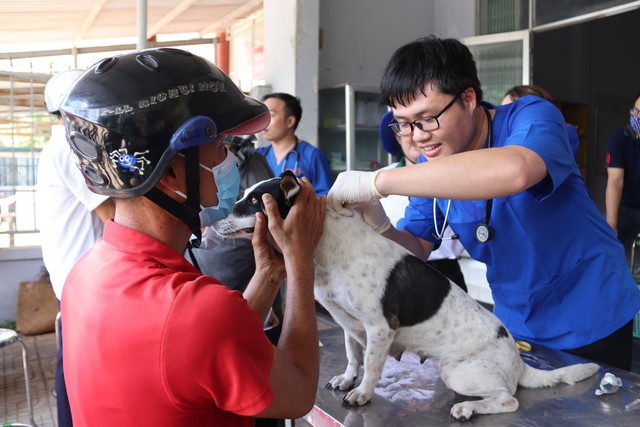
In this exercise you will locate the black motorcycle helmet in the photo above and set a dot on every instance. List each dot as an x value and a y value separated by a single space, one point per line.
127 116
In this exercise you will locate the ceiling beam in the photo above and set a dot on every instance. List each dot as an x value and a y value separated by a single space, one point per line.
88 20
240 12
170 16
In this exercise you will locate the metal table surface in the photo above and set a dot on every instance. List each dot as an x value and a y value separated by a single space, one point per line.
411 394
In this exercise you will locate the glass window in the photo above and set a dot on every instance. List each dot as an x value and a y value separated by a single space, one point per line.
501 16
500 67
557 10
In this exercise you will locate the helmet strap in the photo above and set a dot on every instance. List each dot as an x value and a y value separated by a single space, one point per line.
182 211
187 212
192 204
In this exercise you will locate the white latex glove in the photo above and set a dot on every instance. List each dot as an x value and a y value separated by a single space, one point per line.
373 214
351 188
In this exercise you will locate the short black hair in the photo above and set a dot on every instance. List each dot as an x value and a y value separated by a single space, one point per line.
291 105
447 63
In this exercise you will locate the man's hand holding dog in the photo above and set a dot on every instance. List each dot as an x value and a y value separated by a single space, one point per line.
270 270
298 235
294 376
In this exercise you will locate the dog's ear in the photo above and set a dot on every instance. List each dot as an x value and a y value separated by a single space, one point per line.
289 185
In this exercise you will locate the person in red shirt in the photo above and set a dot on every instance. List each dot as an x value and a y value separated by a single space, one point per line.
150 340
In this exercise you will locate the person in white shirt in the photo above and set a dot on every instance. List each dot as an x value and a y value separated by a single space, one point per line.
70 216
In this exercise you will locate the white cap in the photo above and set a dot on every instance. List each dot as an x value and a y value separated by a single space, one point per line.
57 88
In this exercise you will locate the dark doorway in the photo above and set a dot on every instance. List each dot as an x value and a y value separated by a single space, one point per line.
593 69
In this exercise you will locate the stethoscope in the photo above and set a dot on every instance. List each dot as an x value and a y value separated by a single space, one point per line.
484 232
295 151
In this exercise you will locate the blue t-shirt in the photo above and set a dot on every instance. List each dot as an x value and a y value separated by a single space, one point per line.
304 160
558 274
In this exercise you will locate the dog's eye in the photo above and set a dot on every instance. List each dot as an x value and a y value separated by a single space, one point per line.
253 200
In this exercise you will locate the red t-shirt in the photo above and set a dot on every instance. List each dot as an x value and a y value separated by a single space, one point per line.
149 341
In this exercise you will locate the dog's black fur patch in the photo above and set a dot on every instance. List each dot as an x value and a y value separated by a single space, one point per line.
502 332
414 292
252 203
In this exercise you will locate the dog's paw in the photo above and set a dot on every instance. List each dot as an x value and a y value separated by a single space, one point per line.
341 382
356 397
461 412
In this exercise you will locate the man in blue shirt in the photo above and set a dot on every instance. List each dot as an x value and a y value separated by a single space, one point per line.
505 180
287 151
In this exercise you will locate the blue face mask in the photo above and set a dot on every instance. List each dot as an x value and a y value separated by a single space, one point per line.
227 179
635 123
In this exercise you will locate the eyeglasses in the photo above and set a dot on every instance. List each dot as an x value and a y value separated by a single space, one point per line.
425 124
634 111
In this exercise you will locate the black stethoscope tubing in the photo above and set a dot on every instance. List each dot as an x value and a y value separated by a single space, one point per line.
484 232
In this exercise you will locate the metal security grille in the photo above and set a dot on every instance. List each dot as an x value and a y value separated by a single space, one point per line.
18 169
24 128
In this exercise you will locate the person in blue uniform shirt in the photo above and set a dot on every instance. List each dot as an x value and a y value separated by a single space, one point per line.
505 180
526 90
286 151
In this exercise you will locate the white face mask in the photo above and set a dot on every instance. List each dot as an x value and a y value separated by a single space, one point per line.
227 179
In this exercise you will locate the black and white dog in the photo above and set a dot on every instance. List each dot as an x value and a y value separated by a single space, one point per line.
388 301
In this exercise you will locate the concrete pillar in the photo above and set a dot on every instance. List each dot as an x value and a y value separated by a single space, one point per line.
291 38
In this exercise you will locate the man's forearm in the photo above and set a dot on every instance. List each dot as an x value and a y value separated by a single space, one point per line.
420 248
299 338
612 204
261 292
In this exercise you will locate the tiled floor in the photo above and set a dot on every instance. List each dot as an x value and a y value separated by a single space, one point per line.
42 351
42 359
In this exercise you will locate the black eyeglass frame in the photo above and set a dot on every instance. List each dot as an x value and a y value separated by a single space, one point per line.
395 127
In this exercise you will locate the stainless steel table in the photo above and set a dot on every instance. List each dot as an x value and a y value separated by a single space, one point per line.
411 394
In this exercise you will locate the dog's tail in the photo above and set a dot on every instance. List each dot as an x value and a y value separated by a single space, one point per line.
537 378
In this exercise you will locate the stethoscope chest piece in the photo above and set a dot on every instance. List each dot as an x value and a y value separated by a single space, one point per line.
484 233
